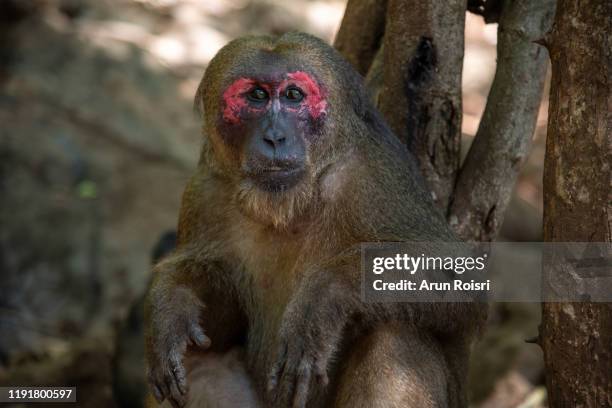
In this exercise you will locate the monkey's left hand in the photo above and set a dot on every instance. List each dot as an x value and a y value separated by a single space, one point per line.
309 335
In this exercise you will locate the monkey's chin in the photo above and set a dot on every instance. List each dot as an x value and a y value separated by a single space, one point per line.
274 205
278 181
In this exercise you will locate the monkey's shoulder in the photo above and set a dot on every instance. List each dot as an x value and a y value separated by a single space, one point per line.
386 197
204 208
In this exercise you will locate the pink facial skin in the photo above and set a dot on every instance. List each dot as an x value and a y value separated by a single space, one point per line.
236 101
315 100
237 104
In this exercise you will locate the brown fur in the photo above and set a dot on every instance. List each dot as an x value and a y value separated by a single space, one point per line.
217 380
279 273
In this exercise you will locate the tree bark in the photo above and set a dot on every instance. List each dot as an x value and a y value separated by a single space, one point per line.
421 92
415 80
577 337
504 137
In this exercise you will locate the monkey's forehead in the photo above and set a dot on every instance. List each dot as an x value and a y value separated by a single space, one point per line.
269 66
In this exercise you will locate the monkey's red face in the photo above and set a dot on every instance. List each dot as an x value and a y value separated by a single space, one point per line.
297 92
271 122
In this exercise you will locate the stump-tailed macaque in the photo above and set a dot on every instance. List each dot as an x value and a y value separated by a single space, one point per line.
297 169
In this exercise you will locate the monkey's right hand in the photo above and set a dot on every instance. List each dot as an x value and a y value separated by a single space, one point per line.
173 323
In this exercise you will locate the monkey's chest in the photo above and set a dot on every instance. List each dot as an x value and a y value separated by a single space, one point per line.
270 281
270 274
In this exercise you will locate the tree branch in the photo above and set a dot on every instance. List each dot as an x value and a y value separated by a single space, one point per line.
361 32
421 92
504 136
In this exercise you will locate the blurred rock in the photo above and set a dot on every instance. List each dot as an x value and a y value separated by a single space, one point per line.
129 379
49 238
85 365
522 222
509 392
95 147
502 349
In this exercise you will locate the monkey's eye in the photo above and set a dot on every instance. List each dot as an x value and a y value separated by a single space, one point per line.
294 94
258 94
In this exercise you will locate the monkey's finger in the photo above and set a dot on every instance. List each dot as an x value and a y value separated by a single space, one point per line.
321 372
293 371
278 367
152 384
161 385
277 371
177 401
283 394
197 336
174 403
322 378
178 372
304 376
176 398
159 397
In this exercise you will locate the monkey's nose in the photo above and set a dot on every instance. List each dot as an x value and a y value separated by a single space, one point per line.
274 139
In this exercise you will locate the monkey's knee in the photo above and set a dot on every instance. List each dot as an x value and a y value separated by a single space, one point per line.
393 367
218 380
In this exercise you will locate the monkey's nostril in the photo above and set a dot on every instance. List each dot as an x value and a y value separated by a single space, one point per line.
274 140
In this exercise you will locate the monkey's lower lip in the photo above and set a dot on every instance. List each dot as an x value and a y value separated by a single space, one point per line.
277 178
280 170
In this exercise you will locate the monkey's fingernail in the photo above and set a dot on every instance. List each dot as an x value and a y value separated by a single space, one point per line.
200 339
206 342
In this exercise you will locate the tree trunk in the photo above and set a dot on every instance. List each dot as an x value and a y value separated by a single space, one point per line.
577 337
414 75
421 85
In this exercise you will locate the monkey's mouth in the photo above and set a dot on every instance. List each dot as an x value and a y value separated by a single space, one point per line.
277 178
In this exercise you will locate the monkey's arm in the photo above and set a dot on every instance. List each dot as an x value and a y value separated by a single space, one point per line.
327 303
183 293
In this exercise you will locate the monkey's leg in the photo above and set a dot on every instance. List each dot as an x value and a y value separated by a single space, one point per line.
216 380
393 366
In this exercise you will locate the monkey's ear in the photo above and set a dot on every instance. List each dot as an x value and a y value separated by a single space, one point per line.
198 101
